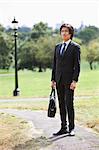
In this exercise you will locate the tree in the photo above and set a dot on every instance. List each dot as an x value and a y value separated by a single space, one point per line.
88 34
44 53
26 55
40 29
37 54
5 51
1 28
93 52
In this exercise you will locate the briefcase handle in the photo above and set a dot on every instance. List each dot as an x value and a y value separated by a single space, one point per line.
52 92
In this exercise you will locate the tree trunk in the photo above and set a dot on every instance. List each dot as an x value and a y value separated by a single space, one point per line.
91 67
40 68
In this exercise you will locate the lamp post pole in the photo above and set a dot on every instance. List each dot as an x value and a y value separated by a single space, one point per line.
16 92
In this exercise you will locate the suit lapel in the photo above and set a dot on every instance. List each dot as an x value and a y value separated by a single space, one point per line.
68 48
66 51
58 48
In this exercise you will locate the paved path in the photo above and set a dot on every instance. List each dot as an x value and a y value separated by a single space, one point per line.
84 139
6 74
18 99
23 99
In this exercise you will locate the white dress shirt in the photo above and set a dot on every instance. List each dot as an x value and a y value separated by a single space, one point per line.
67 42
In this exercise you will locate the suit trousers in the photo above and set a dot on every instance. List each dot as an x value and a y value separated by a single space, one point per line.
66 105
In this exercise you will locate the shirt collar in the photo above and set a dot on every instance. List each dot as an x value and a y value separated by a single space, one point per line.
67 42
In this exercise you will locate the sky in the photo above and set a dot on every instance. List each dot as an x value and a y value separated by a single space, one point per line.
29 12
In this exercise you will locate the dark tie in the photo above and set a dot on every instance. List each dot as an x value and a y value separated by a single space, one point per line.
62 49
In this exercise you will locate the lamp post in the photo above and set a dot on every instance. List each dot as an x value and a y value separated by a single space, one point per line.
16 92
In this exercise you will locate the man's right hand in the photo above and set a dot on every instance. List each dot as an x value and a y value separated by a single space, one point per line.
53 84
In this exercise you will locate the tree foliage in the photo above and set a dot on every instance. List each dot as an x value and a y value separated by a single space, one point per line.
36 46
93 52
88 34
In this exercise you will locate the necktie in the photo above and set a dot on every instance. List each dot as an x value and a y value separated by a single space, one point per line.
62 49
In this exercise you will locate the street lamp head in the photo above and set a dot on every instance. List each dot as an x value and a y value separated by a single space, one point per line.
15 24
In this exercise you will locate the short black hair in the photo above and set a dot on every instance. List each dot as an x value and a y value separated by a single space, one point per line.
70 27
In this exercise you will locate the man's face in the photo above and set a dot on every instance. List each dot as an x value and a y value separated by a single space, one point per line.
65 34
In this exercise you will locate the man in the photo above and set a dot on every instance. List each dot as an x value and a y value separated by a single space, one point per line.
65 73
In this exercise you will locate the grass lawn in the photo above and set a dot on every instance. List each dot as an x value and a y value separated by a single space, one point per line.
13 131
16 133
31 84
35 84
87 112
88 83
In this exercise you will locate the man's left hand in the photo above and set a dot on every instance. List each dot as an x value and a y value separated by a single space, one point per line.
73 85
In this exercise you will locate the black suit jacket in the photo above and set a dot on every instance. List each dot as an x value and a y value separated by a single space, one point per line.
66 67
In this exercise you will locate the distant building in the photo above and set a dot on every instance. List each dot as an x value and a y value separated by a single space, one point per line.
82 26
59 24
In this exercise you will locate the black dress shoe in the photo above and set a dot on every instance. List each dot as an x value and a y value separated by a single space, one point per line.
60 132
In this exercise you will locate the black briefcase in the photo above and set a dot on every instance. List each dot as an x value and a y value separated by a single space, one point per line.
52 104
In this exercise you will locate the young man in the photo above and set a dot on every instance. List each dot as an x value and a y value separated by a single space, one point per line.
65 73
